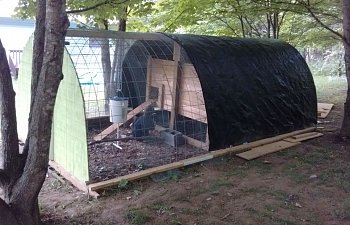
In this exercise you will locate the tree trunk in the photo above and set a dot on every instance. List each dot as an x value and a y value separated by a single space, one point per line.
106 66
122 25
24 182
6 214
345 129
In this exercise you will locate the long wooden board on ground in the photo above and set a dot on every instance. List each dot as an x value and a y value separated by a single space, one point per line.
266 149
323 109
130 115
218 153
303 137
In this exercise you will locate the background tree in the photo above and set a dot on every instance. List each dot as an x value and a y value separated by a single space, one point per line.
345 129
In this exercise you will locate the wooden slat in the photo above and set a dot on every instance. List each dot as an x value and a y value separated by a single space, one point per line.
235 150
149 77
323 109
239 148
161 96
299 138
266 149
176 86
130 115
196 143
134 176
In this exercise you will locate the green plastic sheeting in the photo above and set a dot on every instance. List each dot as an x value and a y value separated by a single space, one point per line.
68 141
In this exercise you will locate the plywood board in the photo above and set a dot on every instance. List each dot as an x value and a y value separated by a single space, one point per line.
266 149
323 109
191 101
304 137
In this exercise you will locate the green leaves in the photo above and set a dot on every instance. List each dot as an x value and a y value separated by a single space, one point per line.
292 20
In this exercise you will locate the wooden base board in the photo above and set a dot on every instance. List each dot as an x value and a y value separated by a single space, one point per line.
75 181
323 109
266 149
304 137
232 150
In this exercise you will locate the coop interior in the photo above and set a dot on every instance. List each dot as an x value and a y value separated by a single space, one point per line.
144 104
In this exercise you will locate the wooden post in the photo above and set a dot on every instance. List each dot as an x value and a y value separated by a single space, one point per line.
207 138
175 94
161 93
149 77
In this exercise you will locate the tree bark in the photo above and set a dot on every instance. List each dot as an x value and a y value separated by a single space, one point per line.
345 129
106 66
9 153
37 62
22 196
6 214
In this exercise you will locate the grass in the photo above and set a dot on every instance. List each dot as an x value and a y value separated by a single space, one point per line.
344 211
327 88
216 184
137 216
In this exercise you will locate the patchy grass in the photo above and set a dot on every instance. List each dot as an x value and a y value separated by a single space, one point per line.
328 88
137 216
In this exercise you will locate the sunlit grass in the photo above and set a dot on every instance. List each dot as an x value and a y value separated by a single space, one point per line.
330 89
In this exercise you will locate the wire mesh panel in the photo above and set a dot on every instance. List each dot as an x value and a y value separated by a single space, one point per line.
143 101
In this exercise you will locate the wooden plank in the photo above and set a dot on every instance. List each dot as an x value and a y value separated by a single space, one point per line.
130 115
75 181
235 150
207 142
196 143
149 78
323 109
175 87
134 176
241 148
266 149
299 136
161 96
304 138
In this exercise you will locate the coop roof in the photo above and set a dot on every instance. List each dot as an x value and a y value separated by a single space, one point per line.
252 88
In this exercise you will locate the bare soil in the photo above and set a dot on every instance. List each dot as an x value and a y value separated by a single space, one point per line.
306 184
108 161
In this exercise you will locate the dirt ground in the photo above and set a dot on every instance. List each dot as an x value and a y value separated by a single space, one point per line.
306 184
107 161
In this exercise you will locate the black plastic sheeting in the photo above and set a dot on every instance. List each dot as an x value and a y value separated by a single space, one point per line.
252 88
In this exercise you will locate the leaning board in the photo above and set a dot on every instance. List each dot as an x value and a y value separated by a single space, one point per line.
323 110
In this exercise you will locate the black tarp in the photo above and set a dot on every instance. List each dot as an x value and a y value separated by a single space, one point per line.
252 88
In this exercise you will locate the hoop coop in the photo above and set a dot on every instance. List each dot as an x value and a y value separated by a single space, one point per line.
130 101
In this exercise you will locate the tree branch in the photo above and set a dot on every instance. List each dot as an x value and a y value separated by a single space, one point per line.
9 150
107 2
313 15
